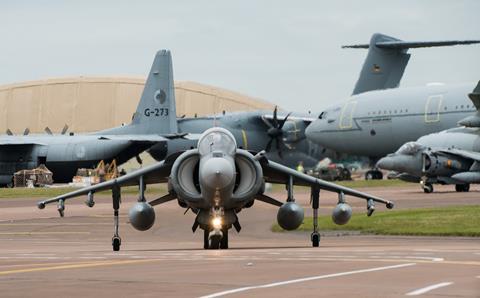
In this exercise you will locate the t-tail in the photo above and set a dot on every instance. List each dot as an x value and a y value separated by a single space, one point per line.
387 59
156 112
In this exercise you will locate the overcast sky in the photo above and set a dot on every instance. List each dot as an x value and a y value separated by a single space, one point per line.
286 52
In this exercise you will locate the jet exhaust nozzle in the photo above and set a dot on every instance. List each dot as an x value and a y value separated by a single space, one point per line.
290 216
341 213
142 216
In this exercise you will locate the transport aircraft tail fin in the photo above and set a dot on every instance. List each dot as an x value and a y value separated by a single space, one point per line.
387 59
156 112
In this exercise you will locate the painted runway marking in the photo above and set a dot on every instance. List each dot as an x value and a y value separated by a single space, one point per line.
293 281
43 233
428 289
75 266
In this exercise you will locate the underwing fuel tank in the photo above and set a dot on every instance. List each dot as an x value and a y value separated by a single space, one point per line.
142 216
341 213
290 216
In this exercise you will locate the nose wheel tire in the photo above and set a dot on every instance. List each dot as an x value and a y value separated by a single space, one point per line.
462 187
215 242
373 175
428 188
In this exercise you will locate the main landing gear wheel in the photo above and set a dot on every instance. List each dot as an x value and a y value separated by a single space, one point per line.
428 188
315 239
116 242
373 175
462 187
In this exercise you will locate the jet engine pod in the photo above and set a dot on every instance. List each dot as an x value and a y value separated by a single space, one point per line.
142 216
341 213
290 216
184 176
249 175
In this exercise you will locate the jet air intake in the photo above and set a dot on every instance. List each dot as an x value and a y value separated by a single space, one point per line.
184 176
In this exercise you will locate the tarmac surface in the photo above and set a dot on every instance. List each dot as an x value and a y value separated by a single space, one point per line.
43 255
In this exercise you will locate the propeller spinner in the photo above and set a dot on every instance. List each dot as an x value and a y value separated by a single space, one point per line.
275 131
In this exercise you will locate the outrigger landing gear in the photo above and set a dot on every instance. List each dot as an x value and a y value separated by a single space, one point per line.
224 241
116 197
315 199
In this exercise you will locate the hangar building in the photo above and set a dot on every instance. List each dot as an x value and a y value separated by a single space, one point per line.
93 103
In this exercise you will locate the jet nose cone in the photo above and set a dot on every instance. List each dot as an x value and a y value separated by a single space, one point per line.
217 173
386 163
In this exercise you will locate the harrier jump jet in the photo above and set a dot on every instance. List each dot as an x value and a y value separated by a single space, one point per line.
216 181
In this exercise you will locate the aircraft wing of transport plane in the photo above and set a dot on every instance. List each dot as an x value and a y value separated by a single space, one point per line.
374 122
216 181
154 122
447 157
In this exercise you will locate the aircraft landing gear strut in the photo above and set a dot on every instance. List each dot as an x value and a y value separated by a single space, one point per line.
315 199
116 196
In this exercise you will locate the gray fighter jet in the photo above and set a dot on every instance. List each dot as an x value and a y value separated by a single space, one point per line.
216 181
153 122
447 157
374 122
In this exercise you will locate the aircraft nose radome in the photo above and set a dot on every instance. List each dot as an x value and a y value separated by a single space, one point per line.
312 132
385 163
217 173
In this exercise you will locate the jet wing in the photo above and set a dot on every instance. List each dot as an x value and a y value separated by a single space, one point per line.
276 173
301 118
19 142
149 137
156 173
462 153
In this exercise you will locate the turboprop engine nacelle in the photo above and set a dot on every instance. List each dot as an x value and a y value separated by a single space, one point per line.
290 216
142 216
341 213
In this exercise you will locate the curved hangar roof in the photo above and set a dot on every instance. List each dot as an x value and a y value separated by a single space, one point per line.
93 103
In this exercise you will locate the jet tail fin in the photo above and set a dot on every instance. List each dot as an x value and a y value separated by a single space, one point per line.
156 112
387 59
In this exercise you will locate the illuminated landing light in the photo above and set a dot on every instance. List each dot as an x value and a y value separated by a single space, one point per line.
217 223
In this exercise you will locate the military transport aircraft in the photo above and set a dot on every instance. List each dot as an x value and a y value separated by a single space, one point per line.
375 122
153 122
448 157
216 181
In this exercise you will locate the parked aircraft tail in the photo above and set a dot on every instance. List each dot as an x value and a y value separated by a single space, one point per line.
156 112
387 59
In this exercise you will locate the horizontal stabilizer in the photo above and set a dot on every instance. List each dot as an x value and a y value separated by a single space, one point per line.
412 44
387 59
